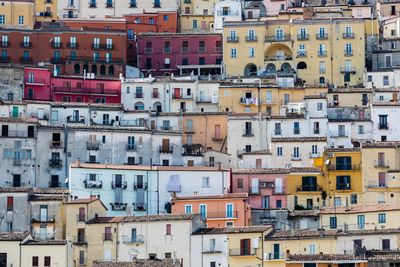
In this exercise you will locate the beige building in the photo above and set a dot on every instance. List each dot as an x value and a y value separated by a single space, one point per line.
18 13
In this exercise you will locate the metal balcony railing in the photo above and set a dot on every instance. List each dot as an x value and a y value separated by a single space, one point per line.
309 188
133 239
243 252
92 146
93 183
166 149
122 185
381 164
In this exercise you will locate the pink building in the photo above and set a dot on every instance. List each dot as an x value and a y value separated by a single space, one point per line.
180 53
218 210
40 84
266 187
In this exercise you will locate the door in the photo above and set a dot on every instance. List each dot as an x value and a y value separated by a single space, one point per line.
229 210
258 163
278 185
118 180
15 112
217 129
106 119
16 180
382 179
177 93
265 202
250 14
40 113
276 251
54 181
4 130
255 186
133 234
56 139
357 244
361 221
54 116
203 25
189 124
245 246
165 145
31 131
43 213
81 214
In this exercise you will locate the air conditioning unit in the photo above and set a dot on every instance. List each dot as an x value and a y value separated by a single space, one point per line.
331 155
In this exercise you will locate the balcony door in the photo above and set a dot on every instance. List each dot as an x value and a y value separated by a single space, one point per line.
245 246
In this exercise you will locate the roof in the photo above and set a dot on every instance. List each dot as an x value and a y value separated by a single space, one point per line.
45 242
46 198
258 152
261 171
16 236
100 220
348 149
324 257
163 217
297 139
15 190
222 196
359 208
304 170
381 145
233 230
145 167
141 262
301 234
85 201
304 213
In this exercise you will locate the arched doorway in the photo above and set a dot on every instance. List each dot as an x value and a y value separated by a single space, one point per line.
286 67
321 80
139 106
301 65
250 70
270 68
157 106
86 68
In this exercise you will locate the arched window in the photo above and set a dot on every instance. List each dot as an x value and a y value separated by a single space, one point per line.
94 69
139 106
111 70
321 80
102 70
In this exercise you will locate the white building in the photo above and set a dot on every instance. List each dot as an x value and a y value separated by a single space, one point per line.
144 190
226 10
382 79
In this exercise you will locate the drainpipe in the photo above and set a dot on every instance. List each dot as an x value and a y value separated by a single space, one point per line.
158 191
65 152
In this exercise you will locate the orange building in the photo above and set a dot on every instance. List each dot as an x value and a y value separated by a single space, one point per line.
218 210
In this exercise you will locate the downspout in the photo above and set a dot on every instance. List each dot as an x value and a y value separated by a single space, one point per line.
158 191
65 152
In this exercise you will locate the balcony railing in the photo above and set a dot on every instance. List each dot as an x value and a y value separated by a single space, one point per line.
248 132
55 162
166 149
44 236
232 39
138 95
227 13
4 44
347 69
72 119
148 50
25 60
12 133
96 46
296 156
278 131
39 219
133 239
97 60
348 53
122 185
274 256
339 134
92 146
301 53
26 44
222 215
118 206
202 49
303 37
57 60
86 91
383 126
181 96
344 167
381 164
243 252
54 184
5 59
93 183
189 129
309 188
55 144
72 45
322 53
278 38
56 44
376 184
322 36
315 155
251 38
348 35
203 99
131 147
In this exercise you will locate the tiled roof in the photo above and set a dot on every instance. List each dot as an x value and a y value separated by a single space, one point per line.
16 236
145 167
377 231
46 242
391 89
101 220
233 230
15 190
46 198
304 170
258 152
381 145
261 171
141 263
315 96
51 191
223 196
81 201
18 120
297 139
348 149
304 213
164 217
324 257
359 208
301 234
350 90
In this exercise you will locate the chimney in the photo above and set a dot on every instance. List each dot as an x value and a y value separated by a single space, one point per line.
93 197
78 162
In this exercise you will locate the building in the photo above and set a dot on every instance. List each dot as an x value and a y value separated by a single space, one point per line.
18 14
44 253
41 84
286 48
218 210
11 83
46 10
180 53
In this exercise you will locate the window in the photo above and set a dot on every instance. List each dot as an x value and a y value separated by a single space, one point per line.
314 149
382 218
333 222
385 80
353 199
312 249
369 78
10 203
252 52
239 183
279 151
2 19
168 229
188 208
3 259
343 163
35 261
343 183
233 53
165 17
278 203
203 210
296 153
361 129
21 20
47 261
385 244
319 106
383 124
206 181
229 210
361 221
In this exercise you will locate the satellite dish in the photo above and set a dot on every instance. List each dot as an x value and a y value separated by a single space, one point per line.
327 162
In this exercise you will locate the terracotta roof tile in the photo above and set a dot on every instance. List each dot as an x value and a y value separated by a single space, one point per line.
163 217
359 208
324 257
298 139
46 242
16 236
381 145
261 171
100 220
233 230
222 196
137 262
301 234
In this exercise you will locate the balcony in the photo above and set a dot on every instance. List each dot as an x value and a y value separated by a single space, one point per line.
96 46
381 164
316 131
248 100
248 133
376 184
322 36
157 5
232 39
211 250
203 99
222 215
17 162
107 237
54 184
344 167
383 126
56 45
322 53
44 236
227 13
278 191
181 96
93 183
92 5
243 252
137 186
295 157
303 37
122 185
109 5
86 91
73 119
348 70
25 60
5 59
278 132
12 133
278 38
57 60
348 35
118 206
348 53
217 138
132 5
309 188
131 147
155 95
315 155
26 44
202 49
167 49
148 50
274 256
339 134
254 190
40 219
92 145
166 149
57 163
72 45
133 239
189 130
138 95
4 44
55 144
251 38
97 60
301 53
185 49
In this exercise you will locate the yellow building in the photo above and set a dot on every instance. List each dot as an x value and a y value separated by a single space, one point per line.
319 51
380 178
19 13
349 97
305 189
196 15
46 10
251 97
245 245
342 170
77 213
44 253
362 216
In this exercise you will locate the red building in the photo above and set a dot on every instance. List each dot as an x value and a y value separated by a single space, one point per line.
180 53
40 84
72 51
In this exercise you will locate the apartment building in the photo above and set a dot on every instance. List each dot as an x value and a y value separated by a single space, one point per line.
180 53
11 83
46 10
285 47
18 14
